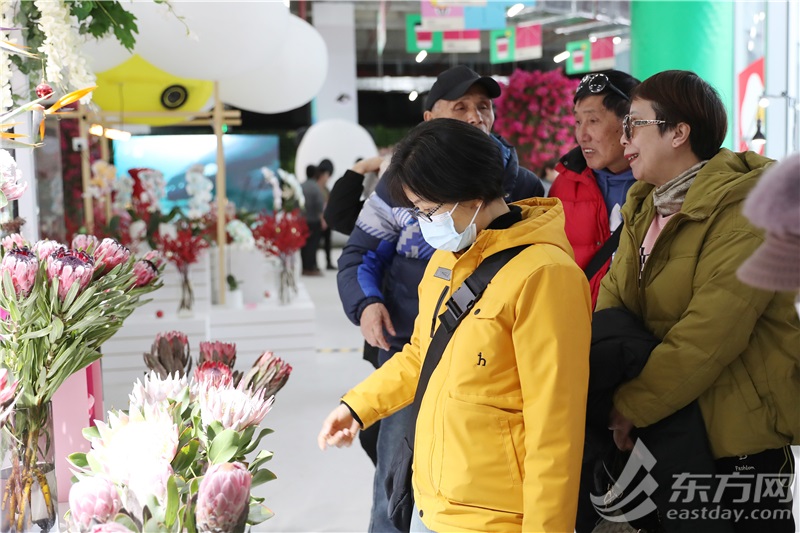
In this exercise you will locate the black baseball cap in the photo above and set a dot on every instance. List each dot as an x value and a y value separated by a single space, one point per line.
453 83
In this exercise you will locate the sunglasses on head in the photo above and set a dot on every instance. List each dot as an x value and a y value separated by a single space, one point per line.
597 83
628 124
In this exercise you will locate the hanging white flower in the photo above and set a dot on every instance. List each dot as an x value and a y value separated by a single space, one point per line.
241 234
297 190
6 21
11 184
199 188
154 188
65 65
274 182
123 187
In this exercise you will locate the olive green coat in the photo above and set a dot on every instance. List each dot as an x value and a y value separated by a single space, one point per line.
734 348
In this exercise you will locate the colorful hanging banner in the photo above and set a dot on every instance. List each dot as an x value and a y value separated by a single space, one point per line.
466 41
501 46
418 39
528 41
603 54
587 56
519 43
437 16
579 57
490 16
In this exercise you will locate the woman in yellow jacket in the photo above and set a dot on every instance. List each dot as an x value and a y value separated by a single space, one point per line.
499 435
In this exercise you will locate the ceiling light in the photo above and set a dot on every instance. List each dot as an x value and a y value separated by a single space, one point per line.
617 40
750 46
421 56
561 57
759 139
96 129
413 95
763 102
592 39
514 10
753 32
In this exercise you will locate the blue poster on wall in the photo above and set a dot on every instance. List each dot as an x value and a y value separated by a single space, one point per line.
172 155
491 16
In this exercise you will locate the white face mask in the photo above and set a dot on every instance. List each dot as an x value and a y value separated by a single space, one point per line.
441 232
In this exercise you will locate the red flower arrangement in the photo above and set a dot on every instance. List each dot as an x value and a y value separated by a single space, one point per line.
281 234
534 113
181 247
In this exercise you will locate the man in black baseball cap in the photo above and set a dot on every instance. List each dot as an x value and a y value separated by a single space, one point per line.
453 83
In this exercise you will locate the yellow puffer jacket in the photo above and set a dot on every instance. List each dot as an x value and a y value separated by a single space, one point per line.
500 430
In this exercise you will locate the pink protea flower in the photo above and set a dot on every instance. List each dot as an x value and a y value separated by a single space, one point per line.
235 408
155 257
70 267
93 500
110 527
144 273
213 373
22 265
85 243
15 240
268 374
223 352
110 253
43 249
223 497
8 395
169 354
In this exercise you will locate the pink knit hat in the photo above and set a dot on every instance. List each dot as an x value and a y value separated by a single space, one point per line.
774 204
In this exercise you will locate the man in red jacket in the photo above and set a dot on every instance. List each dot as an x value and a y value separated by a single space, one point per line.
594 178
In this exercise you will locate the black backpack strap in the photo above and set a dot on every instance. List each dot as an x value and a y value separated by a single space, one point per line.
456 308
602 255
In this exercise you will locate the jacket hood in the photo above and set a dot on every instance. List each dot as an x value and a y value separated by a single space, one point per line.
542 223
727 178
511 165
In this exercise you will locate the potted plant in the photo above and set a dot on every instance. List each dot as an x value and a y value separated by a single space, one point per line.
235 297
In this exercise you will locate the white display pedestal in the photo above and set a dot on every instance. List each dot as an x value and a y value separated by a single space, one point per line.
256 328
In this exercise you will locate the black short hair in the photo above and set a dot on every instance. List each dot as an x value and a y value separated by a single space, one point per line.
683 96
448 161
612 101
325 166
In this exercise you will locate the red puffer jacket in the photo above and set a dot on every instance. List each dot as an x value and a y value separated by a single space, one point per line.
587 217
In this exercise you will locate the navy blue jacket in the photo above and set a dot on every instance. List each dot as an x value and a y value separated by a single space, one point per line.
385 257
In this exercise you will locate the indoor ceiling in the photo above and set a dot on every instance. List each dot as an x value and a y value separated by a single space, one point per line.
562 22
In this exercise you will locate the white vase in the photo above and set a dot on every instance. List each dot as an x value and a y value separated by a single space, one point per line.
235 299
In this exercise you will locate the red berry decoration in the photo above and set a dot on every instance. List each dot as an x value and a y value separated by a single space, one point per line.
43 90
159 314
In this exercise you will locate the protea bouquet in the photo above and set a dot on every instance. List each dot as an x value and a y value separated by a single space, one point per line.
62 304
184 457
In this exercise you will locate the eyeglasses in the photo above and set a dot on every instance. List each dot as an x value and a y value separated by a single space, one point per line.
416 213
628 124
597 83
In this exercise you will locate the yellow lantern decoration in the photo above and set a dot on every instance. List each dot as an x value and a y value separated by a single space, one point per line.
136 87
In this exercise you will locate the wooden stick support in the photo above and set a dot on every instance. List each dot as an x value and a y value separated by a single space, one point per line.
106 156
86 174
222 199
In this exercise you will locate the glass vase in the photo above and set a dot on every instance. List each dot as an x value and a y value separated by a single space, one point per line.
187 295
28 474
287 286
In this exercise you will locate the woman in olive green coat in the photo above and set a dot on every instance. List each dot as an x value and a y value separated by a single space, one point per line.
733 348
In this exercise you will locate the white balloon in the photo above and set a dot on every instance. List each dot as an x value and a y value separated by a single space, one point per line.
223 37
288 77
105 54
336 139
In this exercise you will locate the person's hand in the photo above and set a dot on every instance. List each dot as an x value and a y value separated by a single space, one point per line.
339 429
373 164
622 430
374 318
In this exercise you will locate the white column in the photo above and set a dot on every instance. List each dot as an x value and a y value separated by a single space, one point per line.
28 204
338 97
